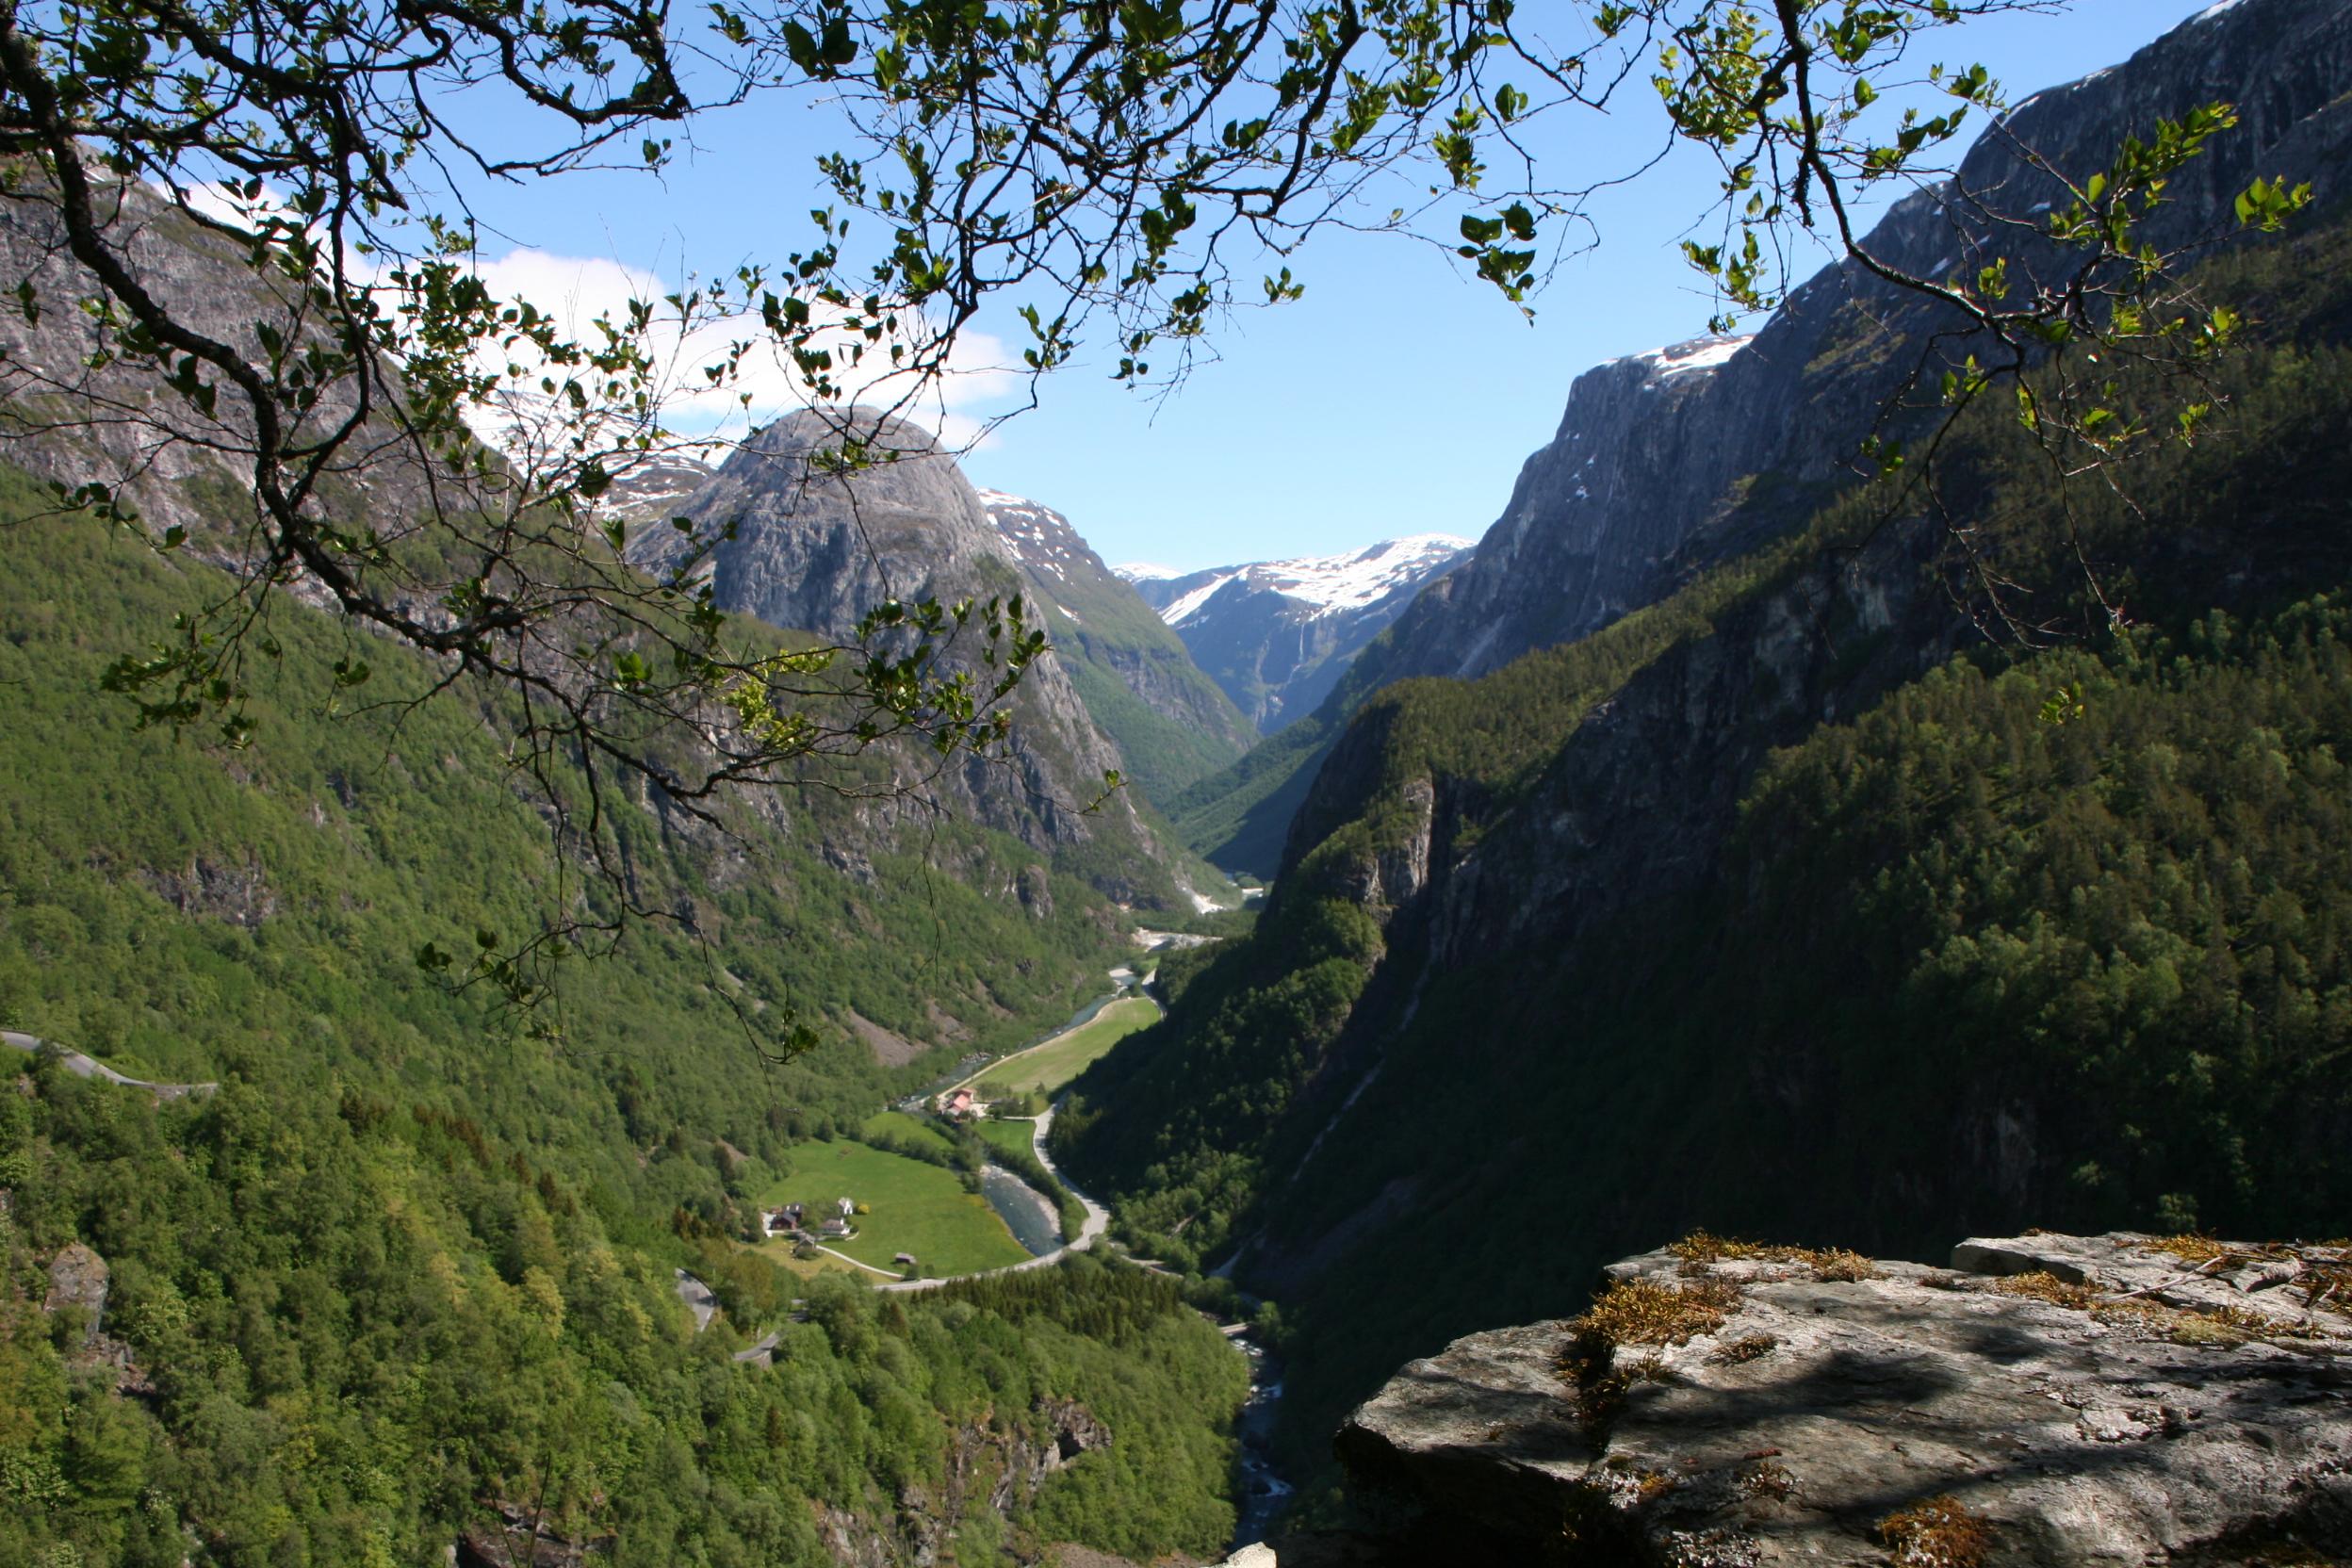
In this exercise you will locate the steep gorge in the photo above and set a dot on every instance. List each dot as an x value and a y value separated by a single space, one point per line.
1777 902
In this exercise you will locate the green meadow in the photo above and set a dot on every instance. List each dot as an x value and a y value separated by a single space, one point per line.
1013 1138
1047 1067
905 1129
916 1208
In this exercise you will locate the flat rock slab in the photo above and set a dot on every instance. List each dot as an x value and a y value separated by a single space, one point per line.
2081 1400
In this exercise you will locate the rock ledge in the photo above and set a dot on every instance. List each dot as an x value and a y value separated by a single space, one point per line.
2054 1400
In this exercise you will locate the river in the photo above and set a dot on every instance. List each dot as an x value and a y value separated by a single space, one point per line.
1034 1222
1262 1492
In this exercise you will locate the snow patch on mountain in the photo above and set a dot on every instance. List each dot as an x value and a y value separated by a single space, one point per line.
1040 536
1700 353
1181 608
1329 584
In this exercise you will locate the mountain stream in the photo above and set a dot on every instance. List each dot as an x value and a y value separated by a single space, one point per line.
1262 1492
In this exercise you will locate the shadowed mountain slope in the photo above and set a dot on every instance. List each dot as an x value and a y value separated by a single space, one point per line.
1783 905
1172 722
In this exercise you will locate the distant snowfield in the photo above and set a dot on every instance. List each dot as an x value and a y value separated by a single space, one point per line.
1330 584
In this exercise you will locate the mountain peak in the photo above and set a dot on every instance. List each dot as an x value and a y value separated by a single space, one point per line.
1318 585
1276 634
1173 724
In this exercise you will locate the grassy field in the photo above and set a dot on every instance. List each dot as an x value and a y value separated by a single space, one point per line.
905 1128
1018 1136
916 1208
1047 1067
780 1254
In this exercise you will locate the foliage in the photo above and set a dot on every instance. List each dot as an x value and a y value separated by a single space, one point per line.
354 346
1237 818
2134 906
1941 1532
1169 1123
363 1335
1641 1312
1176 136
1113 647
189 912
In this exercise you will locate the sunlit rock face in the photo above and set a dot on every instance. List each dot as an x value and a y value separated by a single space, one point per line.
2063 1401
809 549
1667 461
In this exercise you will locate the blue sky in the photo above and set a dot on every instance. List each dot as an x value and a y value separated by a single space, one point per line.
1397 396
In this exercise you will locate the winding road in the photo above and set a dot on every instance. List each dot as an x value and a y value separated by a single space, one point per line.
1098 1220
89 1067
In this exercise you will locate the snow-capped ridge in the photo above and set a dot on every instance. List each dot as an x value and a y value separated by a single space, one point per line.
1277 634
1698 353
1336 582
1326 584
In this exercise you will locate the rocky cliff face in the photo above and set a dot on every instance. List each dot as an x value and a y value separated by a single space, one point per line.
1666 461
812 551
1277 634
2048 1400
1596 517
1170 723
994 1467
1639 798
156 447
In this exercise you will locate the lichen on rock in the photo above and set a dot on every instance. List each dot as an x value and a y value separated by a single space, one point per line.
2055 1401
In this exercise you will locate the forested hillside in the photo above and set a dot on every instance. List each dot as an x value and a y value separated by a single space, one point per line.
1793 906
358 1331
413 1262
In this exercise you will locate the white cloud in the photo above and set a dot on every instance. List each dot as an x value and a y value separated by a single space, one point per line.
575 290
